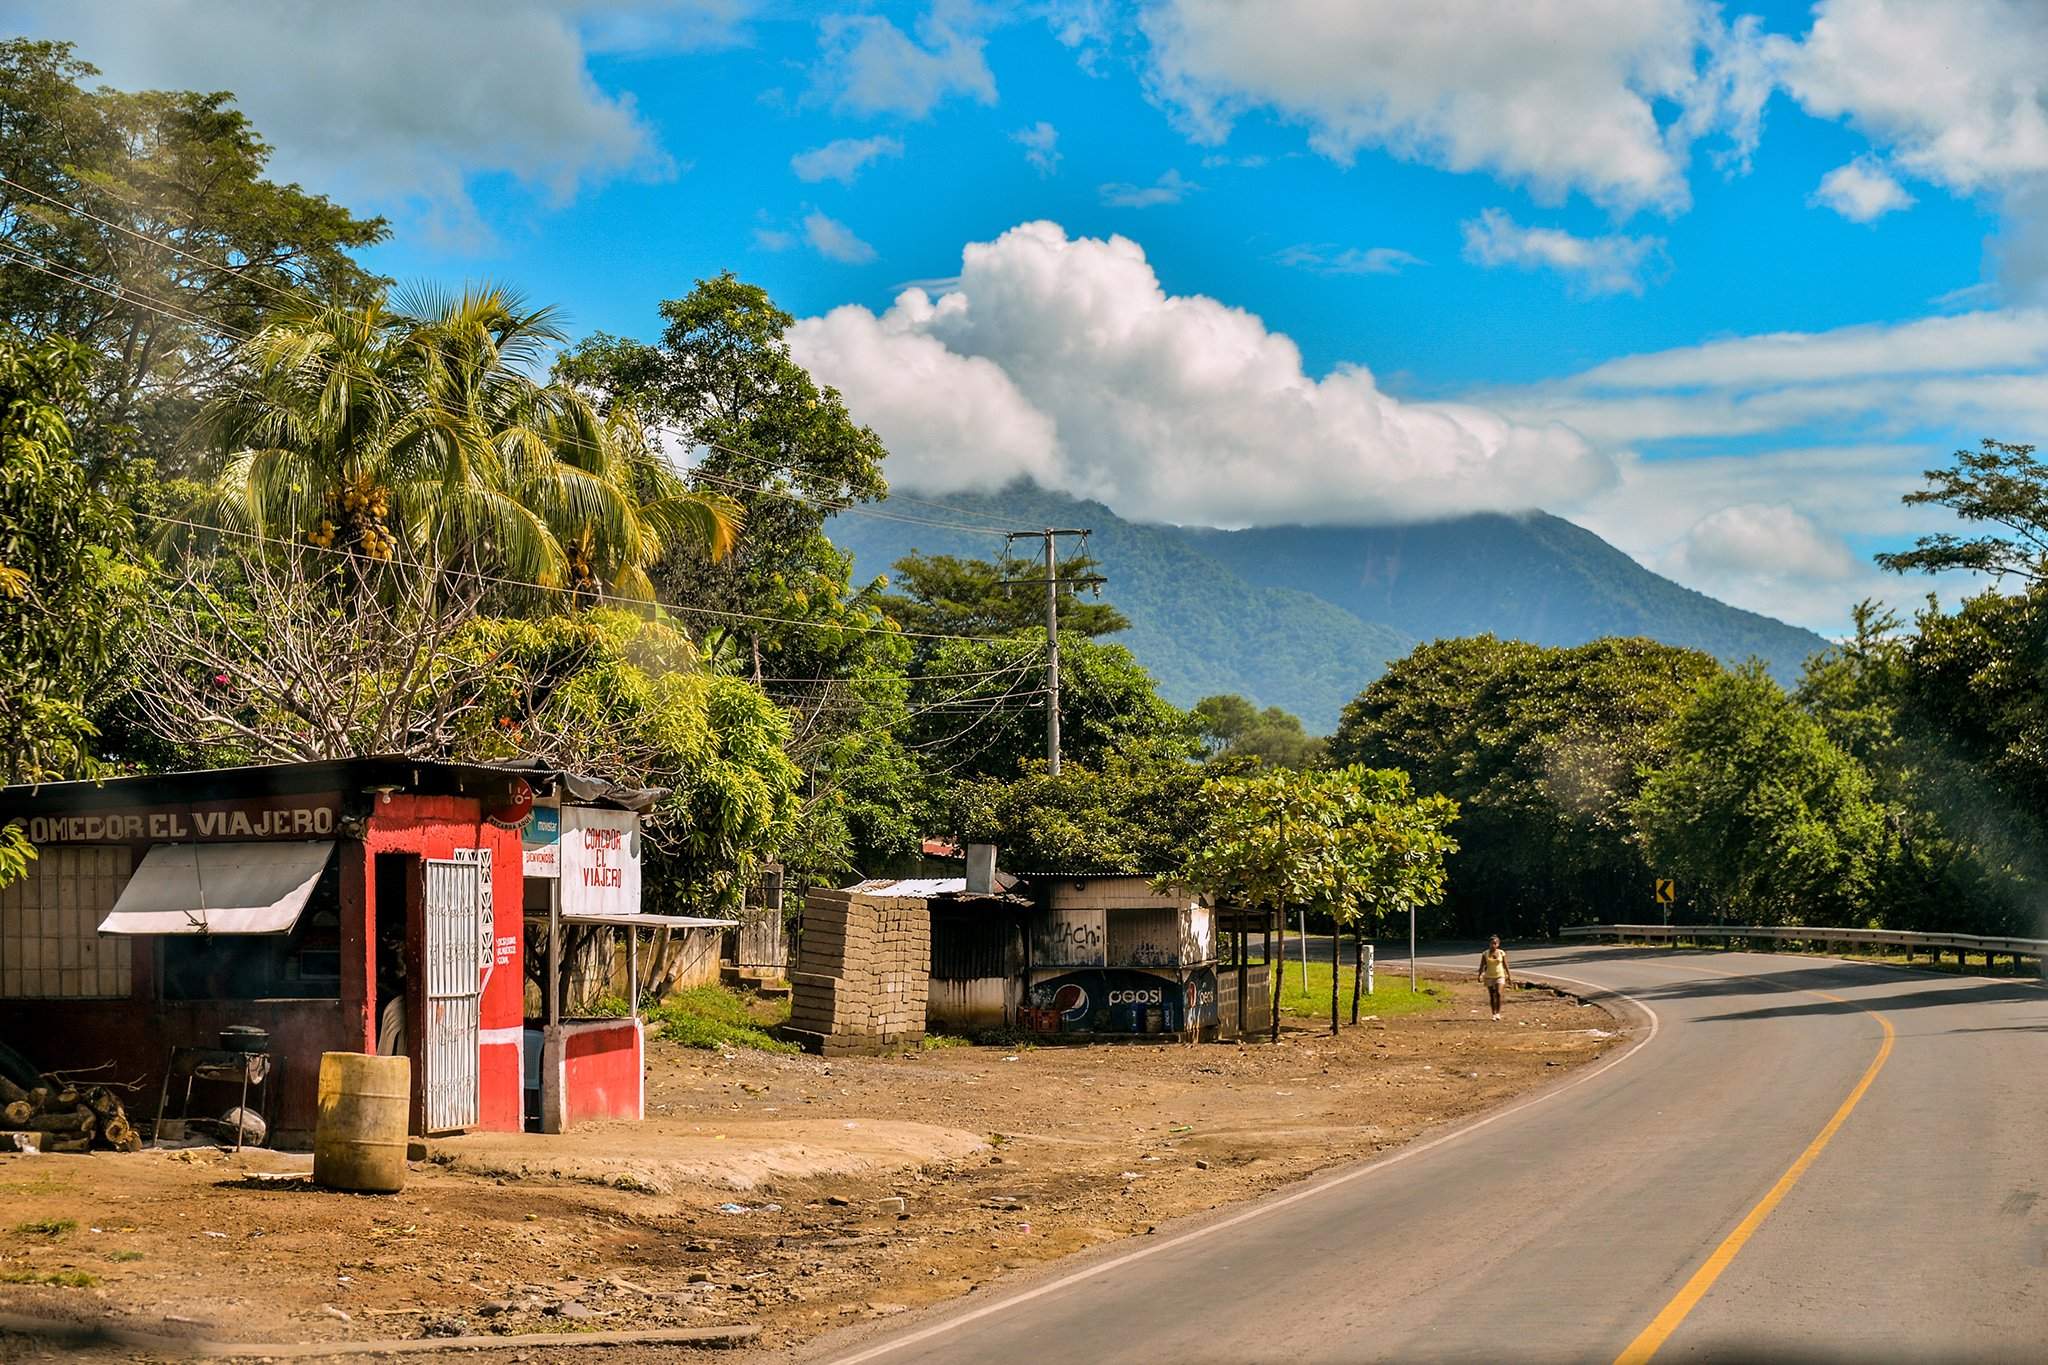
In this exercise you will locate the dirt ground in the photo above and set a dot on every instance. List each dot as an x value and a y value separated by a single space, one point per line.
791 1192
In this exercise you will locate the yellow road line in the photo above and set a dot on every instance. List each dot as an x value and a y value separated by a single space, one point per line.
1665 1323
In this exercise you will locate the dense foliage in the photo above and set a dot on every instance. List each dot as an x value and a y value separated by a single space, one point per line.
65 589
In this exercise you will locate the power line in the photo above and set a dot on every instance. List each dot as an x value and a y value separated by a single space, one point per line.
301 296
502 580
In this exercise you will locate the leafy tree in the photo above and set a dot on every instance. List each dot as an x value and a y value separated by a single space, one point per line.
186 240
67 587
368 428
1232 727
948 595
784 447
1349 843
978 708
1130 814
2000 484
1545 751
1759 812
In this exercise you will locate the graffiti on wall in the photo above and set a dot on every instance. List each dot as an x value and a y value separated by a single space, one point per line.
1069 938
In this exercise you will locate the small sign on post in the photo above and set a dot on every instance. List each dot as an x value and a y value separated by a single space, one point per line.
1666 892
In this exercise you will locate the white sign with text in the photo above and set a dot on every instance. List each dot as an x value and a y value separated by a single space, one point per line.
600 861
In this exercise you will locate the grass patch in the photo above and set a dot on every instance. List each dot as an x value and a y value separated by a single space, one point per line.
1310 999
45 1227
715 1018
933 1042
124 1255
63 1279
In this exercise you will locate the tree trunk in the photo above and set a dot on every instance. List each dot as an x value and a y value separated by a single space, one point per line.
1280 974
1336 965
1357 974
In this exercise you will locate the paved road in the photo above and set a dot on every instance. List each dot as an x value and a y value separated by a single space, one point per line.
1563 1227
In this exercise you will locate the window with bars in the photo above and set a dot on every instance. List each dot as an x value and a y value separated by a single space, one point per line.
49 926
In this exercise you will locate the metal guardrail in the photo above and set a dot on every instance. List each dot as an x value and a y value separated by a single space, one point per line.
1911 941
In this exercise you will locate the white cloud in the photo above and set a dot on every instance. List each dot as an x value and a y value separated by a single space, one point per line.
773 239
1771 540
870 66
1170 188
1958 90
835 240
393 104
1325 260
1041 144
1612 264
1600 96
1861 191
842 160
1175 407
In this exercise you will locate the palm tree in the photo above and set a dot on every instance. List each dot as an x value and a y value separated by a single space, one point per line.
418 424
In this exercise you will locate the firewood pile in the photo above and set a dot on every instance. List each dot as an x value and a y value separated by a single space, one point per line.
66 1117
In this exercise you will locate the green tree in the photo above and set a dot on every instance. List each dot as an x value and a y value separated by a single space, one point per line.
1130 814
143 227
1999 484
1231 727
1759 812
368 427
978 707
766 434
949 595
1545 751
67 584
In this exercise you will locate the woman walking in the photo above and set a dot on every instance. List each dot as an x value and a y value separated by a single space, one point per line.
1493 970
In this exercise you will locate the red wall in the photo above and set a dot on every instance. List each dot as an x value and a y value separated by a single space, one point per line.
434 827
602 1070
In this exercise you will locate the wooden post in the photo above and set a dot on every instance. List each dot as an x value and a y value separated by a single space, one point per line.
1279 971
1336 961
1266 949
1243 975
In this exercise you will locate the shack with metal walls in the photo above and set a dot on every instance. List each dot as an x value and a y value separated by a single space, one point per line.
1109 955
324 904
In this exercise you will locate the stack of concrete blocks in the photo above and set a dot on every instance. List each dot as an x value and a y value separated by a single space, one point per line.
863 973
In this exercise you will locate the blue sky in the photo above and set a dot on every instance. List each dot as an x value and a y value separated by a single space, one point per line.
1713 280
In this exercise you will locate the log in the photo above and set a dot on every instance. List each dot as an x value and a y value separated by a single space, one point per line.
67 1144
17 1113
64 1097
101 1101
116 1132
10 1092
78 1120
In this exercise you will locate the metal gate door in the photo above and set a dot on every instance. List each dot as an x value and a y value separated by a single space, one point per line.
454 909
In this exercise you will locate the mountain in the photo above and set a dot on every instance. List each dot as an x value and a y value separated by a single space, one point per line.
1304 617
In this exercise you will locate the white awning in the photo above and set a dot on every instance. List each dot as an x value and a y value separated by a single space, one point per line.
219 889
639 920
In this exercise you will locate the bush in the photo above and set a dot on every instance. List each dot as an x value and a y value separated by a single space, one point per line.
715 1018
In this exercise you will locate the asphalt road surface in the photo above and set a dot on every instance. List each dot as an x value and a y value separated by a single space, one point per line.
1793 1159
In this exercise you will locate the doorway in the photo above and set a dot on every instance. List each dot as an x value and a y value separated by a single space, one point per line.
397 880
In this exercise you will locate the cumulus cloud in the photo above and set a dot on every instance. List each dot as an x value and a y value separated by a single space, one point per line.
1170 188
843 159
1861 191
870 66
1327 260
835 240
1041 144
1958 91
1771 540
1612 264
1065 359
1600 96
396 105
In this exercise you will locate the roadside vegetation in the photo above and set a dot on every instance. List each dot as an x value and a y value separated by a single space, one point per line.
719 1019
1310 998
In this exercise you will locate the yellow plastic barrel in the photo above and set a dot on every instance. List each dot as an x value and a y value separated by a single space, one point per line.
359 1136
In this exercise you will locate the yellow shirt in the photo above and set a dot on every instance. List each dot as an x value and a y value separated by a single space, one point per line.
1494 965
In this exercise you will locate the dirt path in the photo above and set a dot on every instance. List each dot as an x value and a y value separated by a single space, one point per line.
786 1191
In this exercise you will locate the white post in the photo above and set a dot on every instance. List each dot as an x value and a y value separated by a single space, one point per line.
1368 968
633 969
1304 950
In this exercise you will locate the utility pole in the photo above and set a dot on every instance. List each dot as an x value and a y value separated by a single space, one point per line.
1053 583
